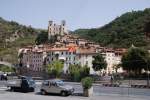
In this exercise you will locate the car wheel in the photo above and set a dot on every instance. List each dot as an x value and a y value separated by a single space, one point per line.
12 89
31 89
63 93
43 92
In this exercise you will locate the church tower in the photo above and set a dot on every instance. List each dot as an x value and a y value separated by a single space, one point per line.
54 29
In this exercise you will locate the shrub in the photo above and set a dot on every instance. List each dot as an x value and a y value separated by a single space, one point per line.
55 68
77 76
84 71
77 72
87 82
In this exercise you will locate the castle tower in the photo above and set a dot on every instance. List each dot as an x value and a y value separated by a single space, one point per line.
63 27
50 27
54 29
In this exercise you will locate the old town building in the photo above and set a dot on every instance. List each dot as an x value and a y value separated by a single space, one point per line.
54 29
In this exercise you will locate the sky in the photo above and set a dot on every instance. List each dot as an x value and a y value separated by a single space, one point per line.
77 13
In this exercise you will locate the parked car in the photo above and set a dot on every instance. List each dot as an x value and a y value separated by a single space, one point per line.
23 84
3 77
56 86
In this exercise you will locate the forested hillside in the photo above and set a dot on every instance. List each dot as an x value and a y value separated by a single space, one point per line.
130 28
12 37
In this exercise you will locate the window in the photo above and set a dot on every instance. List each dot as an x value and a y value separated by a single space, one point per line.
74 58
86 62
53 84
47 59
69 53
79 56
66 52
86 56
73 52
62 53
46 83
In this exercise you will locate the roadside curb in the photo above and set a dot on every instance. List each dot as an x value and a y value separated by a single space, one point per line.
111 85
140 86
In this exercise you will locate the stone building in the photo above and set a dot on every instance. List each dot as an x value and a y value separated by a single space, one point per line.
62 54
31 61
55 29
70 50
84 57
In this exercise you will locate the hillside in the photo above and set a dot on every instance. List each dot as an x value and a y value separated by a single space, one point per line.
12 37
130 28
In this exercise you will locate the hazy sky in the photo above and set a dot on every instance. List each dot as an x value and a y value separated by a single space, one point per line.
77 13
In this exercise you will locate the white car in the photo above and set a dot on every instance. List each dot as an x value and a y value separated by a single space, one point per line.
56 86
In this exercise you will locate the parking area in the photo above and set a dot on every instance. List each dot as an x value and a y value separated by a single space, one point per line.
32 96
98 90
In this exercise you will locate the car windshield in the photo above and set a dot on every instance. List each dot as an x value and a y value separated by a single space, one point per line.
60 83
30 80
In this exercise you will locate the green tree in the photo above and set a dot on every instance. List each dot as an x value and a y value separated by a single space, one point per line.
4 68
135 60
55 68
41 38
87 82
116 67
77 72
147 29
99 63
74 71
126 29
84 71
53 39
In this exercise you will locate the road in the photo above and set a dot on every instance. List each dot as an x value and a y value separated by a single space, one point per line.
30 96
99 90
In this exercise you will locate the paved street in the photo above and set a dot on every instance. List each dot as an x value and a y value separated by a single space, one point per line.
98 89
32 96
99 92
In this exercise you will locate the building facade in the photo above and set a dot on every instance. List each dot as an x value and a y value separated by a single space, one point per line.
62 54
85 59
112 58
70 50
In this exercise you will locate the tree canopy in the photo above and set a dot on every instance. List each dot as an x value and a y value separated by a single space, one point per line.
99 63
42 38
4 68
135 60
123 31
77 72
14 36
55 68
